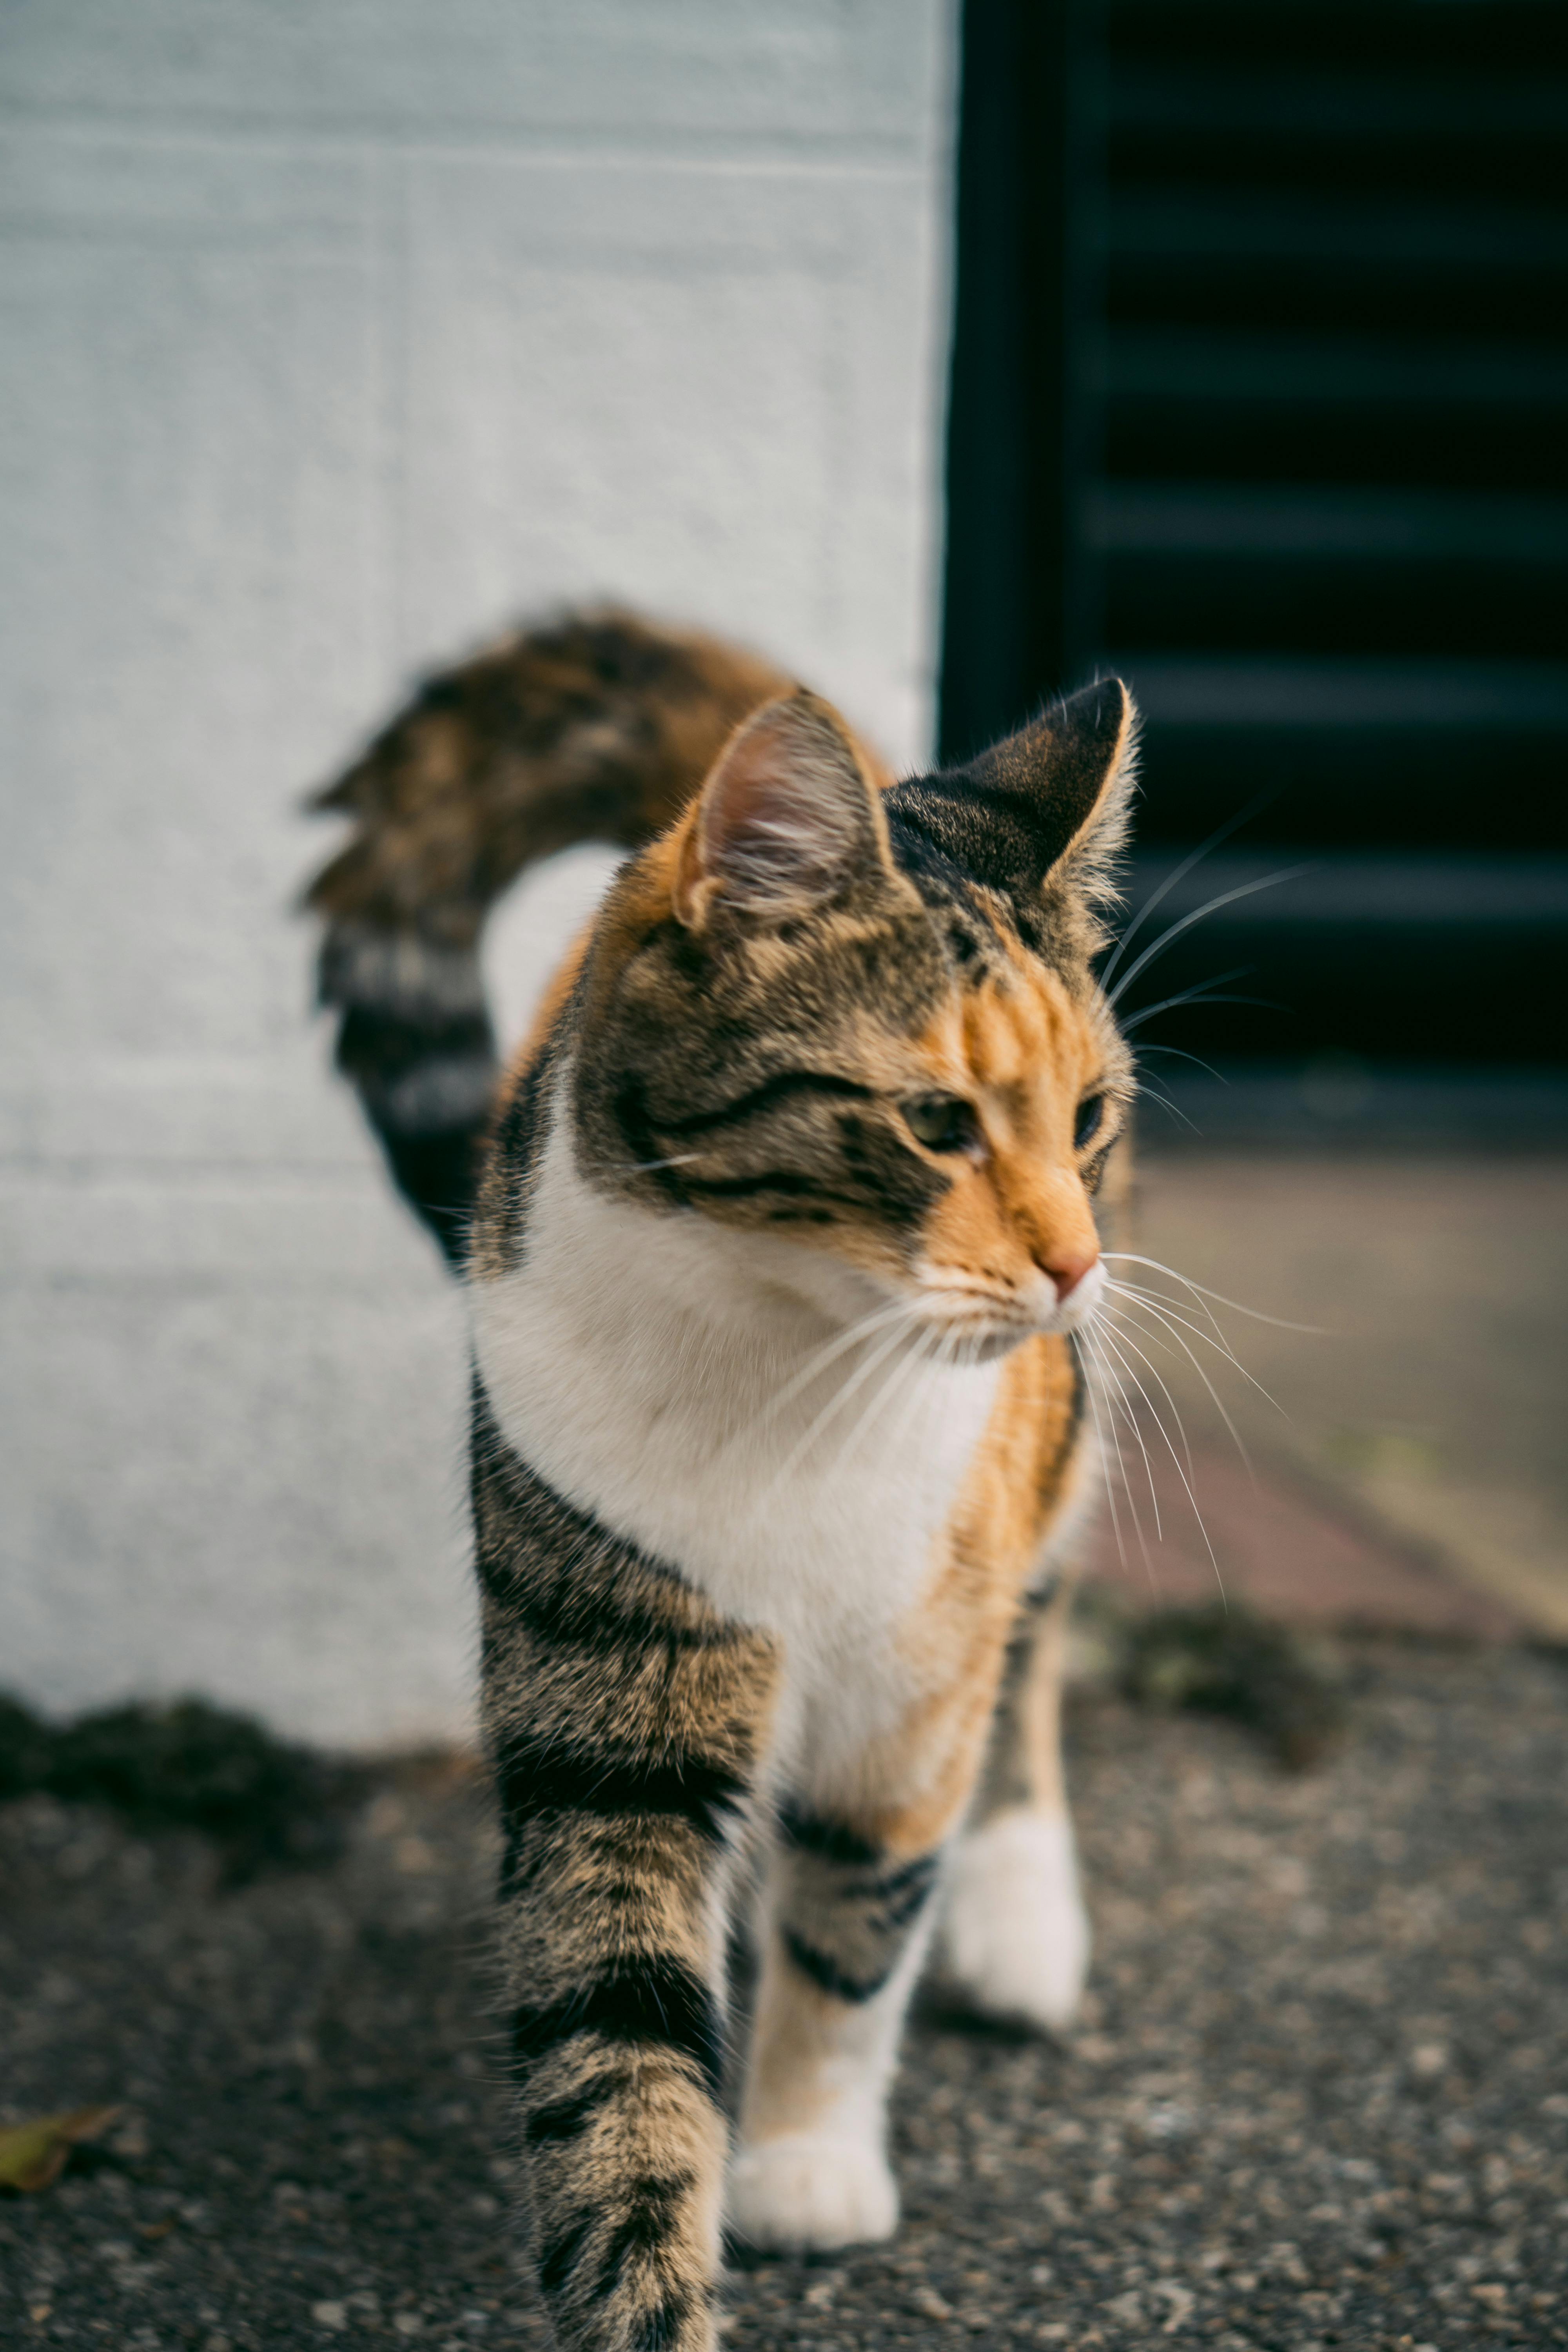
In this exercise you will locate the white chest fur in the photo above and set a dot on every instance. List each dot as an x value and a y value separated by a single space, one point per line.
658 1371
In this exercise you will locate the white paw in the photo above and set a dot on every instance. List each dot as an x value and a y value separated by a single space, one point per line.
804 2190
1015 1934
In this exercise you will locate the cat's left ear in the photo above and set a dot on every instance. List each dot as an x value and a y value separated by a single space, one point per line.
788 818
1051 800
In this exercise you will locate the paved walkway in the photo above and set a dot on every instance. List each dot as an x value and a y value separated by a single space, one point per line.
1415 1443
1320 2096
1320 2093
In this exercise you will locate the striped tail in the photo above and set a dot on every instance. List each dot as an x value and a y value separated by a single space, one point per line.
596 729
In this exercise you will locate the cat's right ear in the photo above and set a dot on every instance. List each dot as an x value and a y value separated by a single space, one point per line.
788 818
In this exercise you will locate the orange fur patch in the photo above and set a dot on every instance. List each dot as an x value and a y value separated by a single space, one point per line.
1024 1053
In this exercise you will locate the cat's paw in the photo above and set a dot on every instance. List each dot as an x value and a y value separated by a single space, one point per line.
806 2191
1015 1934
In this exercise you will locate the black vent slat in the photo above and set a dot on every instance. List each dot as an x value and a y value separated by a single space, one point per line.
1408 40
1334 409
1320 265
1308 311
1361 754
1370 571
1331 530
1340 136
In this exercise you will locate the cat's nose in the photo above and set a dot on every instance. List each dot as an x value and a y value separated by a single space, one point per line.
1067 1268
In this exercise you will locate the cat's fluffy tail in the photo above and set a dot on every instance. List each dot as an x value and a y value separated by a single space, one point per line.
598 727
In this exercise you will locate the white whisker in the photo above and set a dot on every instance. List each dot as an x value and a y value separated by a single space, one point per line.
1105 1374
903 1372
1204 993
1174 930
1219 1404
1101 1341
1197 1515
1107 1323
1180 1053
1179 874
835 1403
1131 1257
1172 1316
1155 1096
1155 1302
1087 1362
818 1360
1105 1341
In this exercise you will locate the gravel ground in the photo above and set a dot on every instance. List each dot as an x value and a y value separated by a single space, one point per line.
1321 2096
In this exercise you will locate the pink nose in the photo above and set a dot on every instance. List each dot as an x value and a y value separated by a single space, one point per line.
1066 1272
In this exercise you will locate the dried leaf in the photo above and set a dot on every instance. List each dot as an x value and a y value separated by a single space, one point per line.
33 2154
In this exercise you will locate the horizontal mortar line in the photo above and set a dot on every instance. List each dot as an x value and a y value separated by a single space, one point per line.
589 255
249 1179
774 154
390 1285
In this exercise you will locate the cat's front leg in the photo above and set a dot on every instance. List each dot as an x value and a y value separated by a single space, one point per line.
1015 1935
846 1914
626 1724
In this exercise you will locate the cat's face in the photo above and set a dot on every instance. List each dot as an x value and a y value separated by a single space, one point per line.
862 1021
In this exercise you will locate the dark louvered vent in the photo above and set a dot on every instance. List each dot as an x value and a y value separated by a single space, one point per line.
1303 350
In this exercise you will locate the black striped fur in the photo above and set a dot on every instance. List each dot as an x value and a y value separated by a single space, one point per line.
626 1725
741 1062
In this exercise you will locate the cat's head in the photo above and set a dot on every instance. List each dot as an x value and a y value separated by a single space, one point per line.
861 1020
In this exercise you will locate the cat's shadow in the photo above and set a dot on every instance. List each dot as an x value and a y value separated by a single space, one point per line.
937 2008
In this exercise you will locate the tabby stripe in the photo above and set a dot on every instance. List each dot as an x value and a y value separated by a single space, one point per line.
582 1609
903 1908
628 1106
788 1181
620 1881
916 1876
558 2256
565 2119
831 1840
892 1922
380 1046
510 1872
655 2209
661 2327
825 1971
534 1779
657 2001
776 1089
586 1612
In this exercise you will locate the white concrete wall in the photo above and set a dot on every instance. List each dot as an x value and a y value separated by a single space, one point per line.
329 339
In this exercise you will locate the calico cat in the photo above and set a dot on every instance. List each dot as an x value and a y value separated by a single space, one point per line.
775 1241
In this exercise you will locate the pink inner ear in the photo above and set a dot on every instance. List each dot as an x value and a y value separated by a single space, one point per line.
786 811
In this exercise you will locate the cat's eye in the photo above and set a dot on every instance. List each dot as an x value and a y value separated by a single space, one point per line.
1090 1118
942 1122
